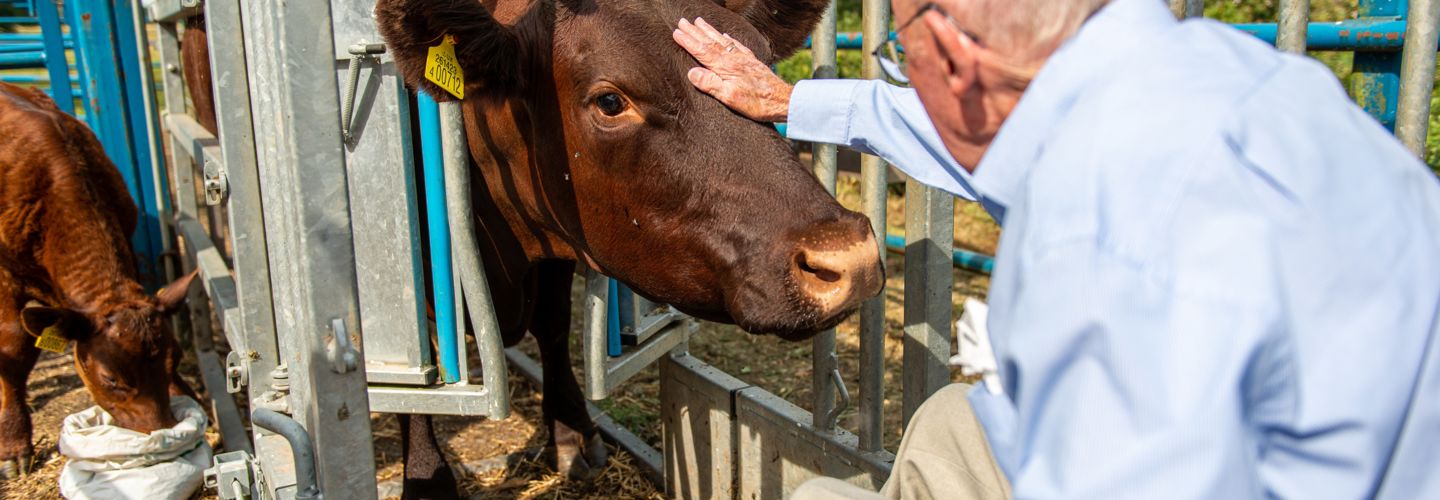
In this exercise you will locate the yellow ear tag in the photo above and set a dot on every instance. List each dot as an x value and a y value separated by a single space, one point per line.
51 340
442 68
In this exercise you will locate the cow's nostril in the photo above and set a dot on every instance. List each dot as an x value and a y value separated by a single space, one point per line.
821 272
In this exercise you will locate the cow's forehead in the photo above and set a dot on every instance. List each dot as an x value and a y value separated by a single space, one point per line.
645 25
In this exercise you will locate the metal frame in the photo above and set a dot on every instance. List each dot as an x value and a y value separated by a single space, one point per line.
723 438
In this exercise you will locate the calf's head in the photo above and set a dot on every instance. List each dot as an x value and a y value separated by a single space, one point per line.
125 355
580 116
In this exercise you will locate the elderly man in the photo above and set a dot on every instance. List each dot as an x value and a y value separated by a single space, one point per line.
1218 277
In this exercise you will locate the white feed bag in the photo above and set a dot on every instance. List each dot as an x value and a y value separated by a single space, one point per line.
111 462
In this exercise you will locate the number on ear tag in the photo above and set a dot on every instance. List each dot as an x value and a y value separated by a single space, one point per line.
51 340
443 68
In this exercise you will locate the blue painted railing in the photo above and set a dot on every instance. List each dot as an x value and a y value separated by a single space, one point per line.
442 275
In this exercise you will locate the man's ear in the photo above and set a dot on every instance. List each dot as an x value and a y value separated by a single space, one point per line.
174 294
35 318
784 23
959 53
490 54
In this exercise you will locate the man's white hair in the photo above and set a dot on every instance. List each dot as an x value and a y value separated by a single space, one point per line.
1025 31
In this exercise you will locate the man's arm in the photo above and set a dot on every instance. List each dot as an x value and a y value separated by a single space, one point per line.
868 116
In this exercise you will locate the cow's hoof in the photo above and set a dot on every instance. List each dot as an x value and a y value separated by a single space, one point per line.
13 468
582 465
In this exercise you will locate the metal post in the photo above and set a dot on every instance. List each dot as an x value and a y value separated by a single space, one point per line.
1187 8
55 63
294 94
1376 81
876 22
144 124
929 239
1417 75
823 156
255 338
473 285
1294 24
597 298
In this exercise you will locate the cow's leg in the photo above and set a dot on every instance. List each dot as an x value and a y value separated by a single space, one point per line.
579 452
427 475
17 358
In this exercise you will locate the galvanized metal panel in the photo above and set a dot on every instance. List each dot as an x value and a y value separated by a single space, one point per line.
255 336
386 214
696 414
295 98
457 399
778 451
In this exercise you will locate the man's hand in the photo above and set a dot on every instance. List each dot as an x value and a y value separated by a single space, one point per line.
732 74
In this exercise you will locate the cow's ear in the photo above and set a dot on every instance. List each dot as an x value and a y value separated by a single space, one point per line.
785 23
170 297
72 325
490 53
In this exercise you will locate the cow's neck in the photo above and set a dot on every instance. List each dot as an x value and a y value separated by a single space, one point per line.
86 251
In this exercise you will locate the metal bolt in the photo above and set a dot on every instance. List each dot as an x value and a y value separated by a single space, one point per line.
172 68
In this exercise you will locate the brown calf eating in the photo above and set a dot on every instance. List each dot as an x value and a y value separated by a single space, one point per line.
66 266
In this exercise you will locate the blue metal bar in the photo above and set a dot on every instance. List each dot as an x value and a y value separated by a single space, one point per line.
1376 80
72 21
964 259
143 135
55 63
442 275
18 20
1382 32
33 79
25 37
11 48
612 320
23 60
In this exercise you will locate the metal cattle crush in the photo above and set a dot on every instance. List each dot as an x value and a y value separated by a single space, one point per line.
322 301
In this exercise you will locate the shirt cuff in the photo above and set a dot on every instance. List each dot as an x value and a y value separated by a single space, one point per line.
820 111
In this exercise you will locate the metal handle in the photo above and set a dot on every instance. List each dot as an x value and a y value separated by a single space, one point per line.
301 447
834 415
361 51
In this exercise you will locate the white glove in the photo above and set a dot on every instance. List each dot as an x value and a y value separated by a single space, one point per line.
975 355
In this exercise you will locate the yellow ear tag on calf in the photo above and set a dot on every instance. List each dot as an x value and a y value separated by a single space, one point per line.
51 340
442 68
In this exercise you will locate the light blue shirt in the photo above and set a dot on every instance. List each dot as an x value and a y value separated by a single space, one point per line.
1218 277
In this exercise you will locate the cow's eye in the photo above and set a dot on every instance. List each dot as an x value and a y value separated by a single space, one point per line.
610 104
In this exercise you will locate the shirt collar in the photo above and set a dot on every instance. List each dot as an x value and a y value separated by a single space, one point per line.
1101 41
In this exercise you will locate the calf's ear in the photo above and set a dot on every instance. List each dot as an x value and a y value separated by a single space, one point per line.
174 294
785 23
35 318
490 53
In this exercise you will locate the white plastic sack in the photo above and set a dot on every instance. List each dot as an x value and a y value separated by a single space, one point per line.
109 462
976 357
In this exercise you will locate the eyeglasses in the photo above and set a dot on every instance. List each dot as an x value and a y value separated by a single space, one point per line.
892 56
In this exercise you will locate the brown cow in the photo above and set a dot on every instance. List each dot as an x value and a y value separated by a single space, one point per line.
66 262
590 145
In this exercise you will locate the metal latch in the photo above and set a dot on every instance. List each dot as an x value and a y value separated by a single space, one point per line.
216 185
362 52
235 374
231 475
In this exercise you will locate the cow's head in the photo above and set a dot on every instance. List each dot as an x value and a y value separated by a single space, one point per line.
125 355
580 113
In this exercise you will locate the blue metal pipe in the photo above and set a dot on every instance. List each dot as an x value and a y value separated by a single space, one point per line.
22 60
442 275
54 46
964 259
1352 35
11 48
32 79
612 320
25 37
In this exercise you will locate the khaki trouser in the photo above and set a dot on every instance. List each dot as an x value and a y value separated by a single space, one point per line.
944 455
